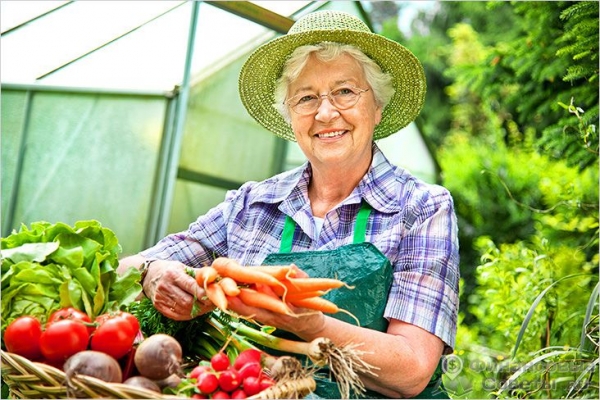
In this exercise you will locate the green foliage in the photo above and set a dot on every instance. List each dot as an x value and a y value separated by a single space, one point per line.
518 147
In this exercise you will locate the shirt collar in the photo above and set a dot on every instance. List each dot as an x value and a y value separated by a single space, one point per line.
379 187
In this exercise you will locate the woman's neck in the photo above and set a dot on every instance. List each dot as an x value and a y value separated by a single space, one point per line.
328 188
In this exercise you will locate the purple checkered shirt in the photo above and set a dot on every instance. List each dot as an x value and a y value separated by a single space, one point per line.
412 223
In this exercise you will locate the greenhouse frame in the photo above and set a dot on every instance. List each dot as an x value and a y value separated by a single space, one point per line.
128 112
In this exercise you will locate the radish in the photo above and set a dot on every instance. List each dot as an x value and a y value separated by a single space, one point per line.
247 356
252 368
229 380
252 385
158 357
207 383
220 395
220 361
198 370
239 394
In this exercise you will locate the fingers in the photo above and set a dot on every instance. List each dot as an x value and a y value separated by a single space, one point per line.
175 293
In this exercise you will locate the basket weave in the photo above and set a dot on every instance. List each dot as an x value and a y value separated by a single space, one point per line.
32 380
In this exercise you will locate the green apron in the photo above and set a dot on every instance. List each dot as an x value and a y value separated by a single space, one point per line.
362 266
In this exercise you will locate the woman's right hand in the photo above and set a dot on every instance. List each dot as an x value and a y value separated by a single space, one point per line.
174 293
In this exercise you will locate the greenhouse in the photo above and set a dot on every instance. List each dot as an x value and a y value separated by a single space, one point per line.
128 112
457 256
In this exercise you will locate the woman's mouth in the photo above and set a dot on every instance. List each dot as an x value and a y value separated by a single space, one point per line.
328 135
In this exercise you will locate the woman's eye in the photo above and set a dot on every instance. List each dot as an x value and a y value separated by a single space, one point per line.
307 98
343 92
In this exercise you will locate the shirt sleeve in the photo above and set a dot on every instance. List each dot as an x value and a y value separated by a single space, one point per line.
203 241
424 291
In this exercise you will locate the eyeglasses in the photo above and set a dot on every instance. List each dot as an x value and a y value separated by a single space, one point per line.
341 98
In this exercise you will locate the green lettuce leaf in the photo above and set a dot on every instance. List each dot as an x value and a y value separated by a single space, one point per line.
48 266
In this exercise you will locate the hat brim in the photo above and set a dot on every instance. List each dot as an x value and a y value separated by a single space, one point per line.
264 66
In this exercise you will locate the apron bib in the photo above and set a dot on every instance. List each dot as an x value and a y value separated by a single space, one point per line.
360 265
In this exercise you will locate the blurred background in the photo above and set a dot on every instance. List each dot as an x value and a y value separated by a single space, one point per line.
128 113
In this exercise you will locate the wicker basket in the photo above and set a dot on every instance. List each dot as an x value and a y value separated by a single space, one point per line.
33 380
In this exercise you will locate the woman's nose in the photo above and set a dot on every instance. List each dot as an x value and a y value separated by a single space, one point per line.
326 110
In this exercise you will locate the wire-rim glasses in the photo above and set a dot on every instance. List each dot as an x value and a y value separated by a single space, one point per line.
342 98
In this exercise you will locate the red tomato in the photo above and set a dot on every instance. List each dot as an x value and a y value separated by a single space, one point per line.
22 337
63 338
72 313
115 334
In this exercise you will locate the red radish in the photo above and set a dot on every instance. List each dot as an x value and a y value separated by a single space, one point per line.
229 380
250 369
199 396
246 356
266 382
252 385
239 394
220 395
207 383
220 362
198 370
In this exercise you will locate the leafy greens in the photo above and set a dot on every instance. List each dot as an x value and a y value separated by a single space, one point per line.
51 266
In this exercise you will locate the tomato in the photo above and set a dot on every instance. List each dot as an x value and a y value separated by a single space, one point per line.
63 338
22 337
115 334
72 313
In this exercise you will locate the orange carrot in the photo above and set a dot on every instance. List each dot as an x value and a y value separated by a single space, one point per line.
253 298
206 275
317 304
323 305
291 297
232 269
312 284
215 294
277 271
229 286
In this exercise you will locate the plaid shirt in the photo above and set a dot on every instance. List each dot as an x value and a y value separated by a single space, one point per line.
412 223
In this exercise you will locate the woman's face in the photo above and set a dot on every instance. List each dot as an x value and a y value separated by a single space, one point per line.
330 136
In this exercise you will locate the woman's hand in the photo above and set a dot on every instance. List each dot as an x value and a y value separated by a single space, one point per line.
172 290
302 322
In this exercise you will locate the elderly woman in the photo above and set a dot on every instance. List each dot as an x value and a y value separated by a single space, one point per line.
335 87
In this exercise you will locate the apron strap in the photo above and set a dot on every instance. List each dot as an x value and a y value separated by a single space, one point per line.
360 228
287 237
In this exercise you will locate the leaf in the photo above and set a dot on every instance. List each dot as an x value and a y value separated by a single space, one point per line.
511 379
537 301
71 257
588 313
35 252
578 382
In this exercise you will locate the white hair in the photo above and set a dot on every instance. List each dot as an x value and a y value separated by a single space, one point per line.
380 82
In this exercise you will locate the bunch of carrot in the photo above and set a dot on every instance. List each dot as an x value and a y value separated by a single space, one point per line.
268 287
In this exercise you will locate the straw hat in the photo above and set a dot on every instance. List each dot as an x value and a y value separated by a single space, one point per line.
264 66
